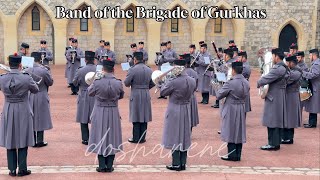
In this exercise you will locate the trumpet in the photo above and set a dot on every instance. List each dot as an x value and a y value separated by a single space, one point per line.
195 58
92 76
33 76
43 56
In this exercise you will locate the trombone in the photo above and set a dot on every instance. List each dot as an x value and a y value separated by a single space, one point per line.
33 76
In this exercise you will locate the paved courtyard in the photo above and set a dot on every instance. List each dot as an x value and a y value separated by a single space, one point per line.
66 158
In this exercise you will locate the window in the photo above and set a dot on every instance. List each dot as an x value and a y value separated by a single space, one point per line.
35 19
130 23
174 25
84 23
218 25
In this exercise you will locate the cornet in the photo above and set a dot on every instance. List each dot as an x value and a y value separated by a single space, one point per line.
73 56
43 56
33 76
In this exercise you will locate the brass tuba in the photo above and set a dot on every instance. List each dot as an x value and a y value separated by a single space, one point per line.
265 63
158 77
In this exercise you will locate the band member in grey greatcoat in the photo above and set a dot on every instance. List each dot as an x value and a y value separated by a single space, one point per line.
294 112
106 136
16 124
85 102
275 109
139 79
48 56
177 131
233 128
40 102
312 105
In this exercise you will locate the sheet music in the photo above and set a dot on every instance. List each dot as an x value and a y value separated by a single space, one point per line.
166 68
99 68
125 66
82 62
166 64
206 60
27 62
221 77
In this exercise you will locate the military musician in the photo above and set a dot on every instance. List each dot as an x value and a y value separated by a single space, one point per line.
85 102
40 103
46 54
24 49
106 136
293 107
275 109
67 62
233 128
177 131
231 43
74 56
312 105
16 125
139 79
193 101
133 50
301 63
161 60
293 49
204 77
110 54
170 54
145 53
246 73
100 50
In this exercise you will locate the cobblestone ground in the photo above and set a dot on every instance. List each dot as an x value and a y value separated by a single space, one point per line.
66 158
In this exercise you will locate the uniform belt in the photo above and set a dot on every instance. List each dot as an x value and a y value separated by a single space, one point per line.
106 103
238 101
179 102
140 86
14 99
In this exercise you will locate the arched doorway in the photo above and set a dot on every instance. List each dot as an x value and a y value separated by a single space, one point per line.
287 36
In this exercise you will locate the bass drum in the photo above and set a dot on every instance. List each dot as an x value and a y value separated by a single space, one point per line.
305 94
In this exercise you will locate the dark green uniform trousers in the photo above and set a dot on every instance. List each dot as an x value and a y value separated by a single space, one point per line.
234 150
139 131
287 134
17 158
179 158
106 162
38 136
274 136
84 132
313 119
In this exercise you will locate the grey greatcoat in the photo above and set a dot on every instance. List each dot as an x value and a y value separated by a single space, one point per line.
73 67
40 102
294 112
169 56
111 55
85 102
177 131
233 114
67 64
204 79
49 56
312 105
275 109
193 101
99 51
16 125
106 135
246 73
304 67
139 78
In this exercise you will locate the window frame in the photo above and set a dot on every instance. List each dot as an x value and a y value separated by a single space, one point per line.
35 11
